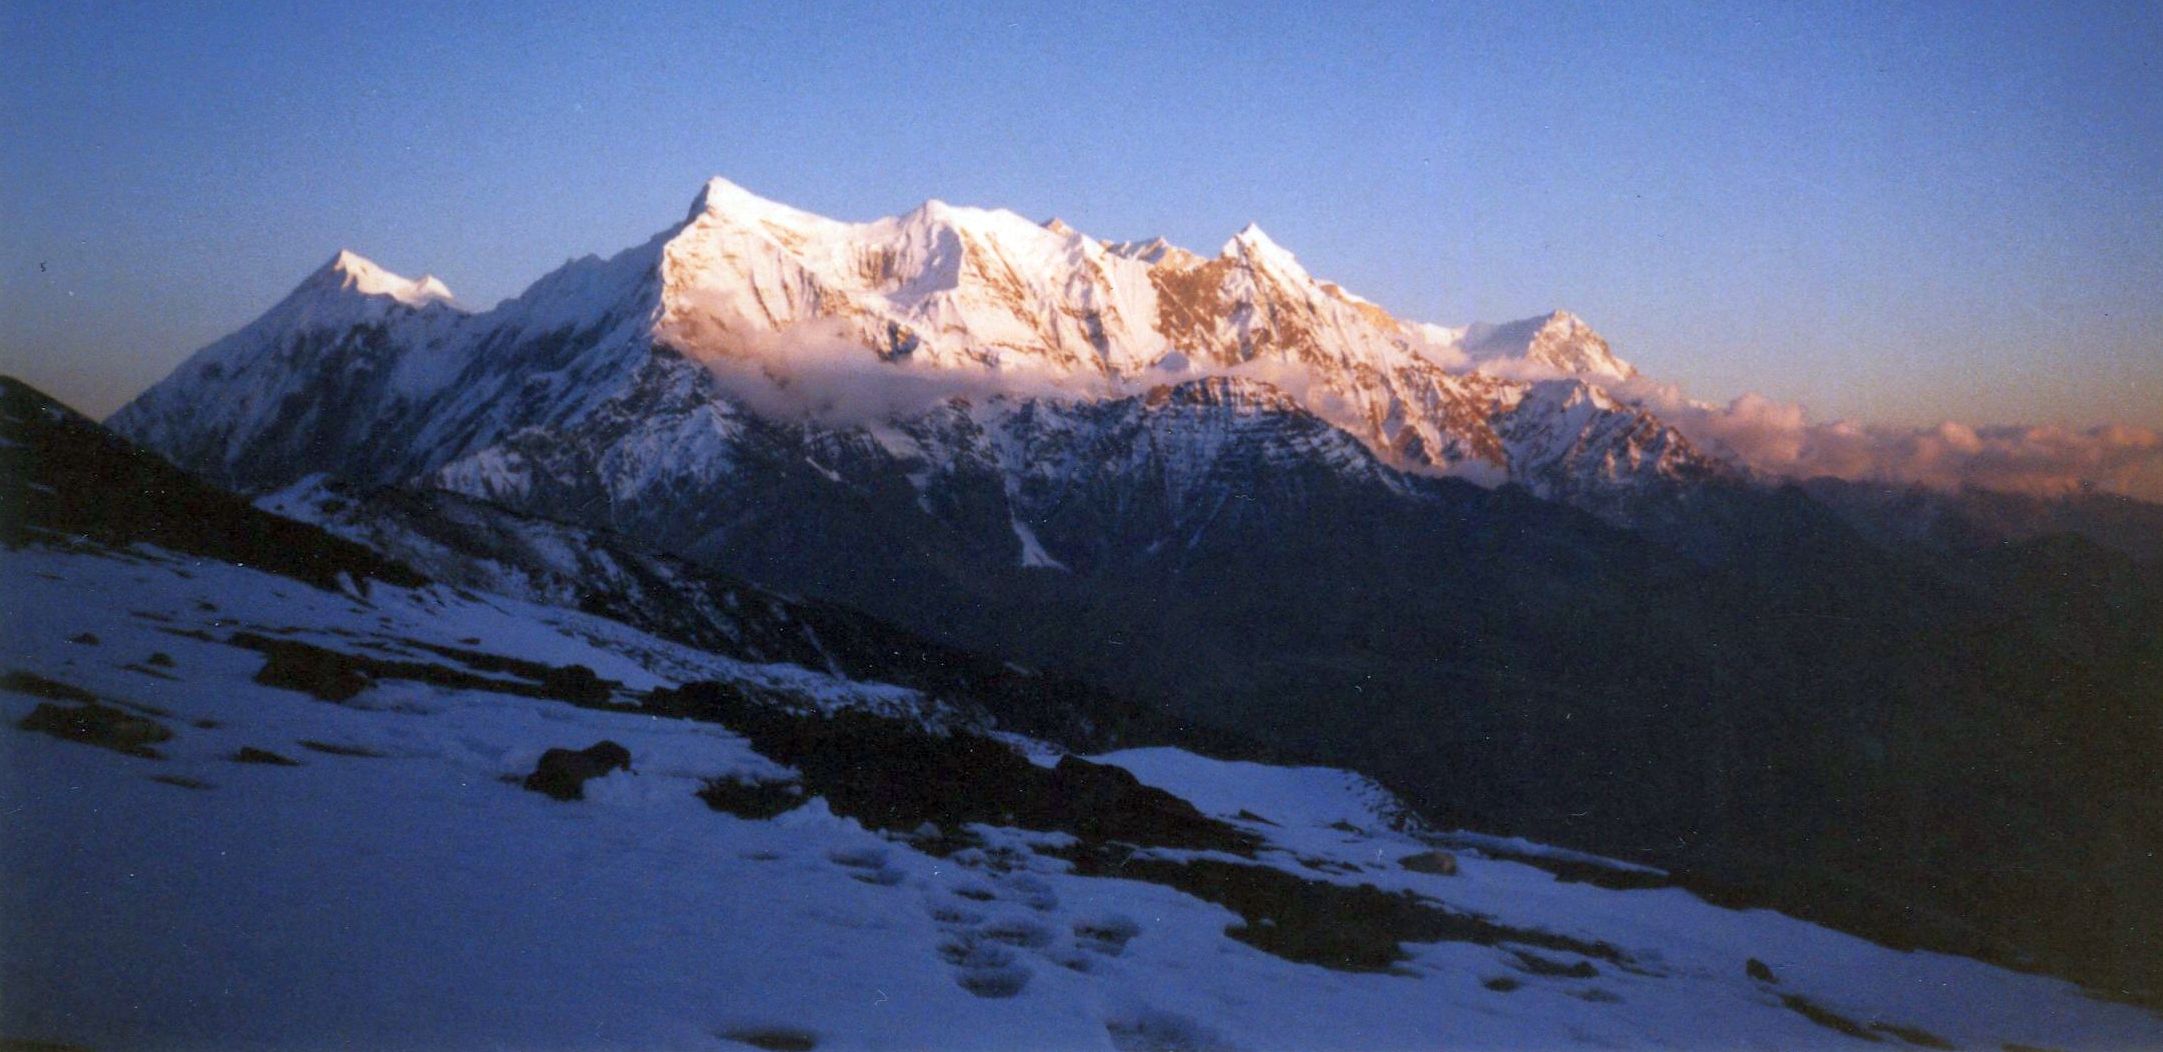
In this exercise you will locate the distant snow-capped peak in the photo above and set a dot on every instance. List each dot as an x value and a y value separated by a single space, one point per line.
1252 244
348 271
357 273
1559 343
347 291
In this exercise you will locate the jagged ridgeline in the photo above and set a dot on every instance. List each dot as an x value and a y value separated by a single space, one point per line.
791 313
1459 559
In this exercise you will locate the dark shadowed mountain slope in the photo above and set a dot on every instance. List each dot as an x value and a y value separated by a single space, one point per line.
64 480
477 545
63 476
1971 519
1809 717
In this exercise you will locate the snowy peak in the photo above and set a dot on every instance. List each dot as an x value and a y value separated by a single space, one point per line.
986 289
1257 248
349 271
1249 236
942 285
301 381
1559 342
352 290
721 198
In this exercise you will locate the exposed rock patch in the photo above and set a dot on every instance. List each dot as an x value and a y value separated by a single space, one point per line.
894 775
751 799
251 754
335 675
39 687
1358 928
103 726
334 749
1441 863
773 1038
563 773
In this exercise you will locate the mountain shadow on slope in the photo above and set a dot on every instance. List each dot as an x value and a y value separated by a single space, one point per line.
477 544
1807 719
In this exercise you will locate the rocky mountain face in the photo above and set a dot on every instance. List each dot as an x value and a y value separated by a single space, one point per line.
1252 500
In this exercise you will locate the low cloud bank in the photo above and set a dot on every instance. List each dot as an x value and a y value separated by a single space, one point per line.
821 371
1780 438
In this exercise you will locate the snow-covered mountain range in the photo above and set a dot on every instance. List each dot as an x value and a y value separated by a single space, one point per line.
652 364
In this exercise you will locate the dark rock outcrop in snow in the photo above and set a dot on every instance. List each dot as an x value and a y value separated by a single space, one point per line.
101 725
563 773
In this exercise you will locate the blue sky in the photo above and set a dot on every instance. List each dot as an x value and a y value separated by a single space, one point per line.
1894 212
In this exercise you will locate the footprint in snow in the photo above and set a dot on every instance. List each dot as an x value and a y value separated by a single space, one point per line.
1032 891
983 967
868 865
1106 935
952 918
1020 932
1154 1031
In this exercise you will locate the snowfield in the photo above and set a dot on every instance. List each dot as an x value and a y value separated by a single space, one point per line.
397 888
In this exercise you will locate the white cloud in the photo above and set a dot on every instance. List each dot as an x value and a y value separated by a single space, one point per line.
1781 438
821 370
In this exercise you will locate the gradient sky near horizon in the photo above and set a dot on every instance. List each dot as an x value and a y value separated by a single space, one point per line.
1899 213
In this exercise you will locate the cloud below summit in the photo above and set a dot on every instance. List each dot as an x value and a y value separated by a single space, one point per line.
1781 438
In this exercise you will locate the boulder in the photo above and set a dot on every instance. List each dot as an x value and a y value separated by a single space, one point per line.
576 684
562 773
323 674
1438 862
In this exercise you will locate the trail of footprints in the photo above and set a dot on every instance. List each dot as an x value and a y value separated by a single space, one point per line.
1000 920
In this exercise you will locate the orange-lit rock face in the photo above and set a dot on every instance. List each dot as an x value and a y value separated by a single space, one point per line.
1376 316
1191 306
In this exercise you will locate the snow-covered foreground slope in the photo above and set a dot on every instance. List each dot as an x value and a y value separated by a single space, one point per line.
398 888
